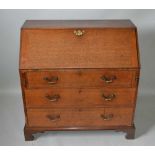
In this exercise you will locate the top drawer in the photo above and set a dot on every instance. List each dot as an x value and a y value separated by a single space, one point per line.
81 78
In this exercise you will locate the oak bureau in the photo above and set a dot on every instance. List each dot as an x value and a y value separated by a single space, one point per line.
79 75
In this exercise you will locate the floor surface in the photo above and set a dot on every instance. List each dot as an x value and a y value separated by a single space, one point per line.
12 123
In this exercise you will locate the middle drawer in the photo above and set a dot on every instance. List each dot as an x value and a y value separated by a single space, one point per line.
57 97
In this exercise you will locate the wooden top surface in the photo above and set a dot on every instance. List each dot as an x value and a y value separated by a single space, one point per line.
47 24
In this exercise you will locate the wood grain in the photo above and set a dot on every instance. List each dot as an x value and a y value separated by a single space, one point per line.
97 48
37 98
81 78
62 24
80 66
79 117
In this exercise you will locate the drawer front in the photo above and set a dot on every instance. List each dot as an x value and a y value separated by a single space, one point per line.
56 97
79 117
80 78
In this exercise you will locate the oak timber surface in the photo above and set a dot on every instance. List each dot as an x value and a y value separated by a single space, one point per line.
81 78
79 75
41 24
111 47
76 118
69 98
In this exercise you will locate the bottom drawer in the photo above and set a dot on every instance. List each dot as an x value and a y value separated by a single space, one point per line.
63 118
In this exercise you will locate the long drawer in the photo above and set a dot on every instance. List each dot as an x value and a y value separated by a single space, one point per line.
79 78
56 97
98 117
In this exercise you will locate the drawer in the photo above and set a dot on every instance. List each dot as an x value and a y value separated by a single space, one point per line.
57 97
80 78
99 117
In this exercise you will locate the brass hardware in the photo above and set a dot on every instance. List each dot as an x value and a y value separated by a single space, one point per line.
53 98
79 32
107 117
53 117
108 97
108 79
51 80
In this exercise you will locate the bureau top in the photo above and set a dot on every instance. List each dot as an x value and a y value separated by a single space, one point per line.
79 44
62 24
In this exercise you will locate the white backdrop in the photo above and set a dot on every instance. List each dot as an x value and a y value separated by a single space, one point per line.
12 20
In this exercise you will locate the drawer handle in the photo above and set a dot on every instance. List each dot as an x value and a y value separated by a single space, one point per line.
53 98
108 97
79 32
51 80
108 79
107 117
53 117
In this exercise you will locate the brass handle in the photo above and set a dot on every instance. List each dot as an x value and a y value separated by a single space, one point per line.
108 97
51 80
79 32
53 117
53 98
108 79
107 117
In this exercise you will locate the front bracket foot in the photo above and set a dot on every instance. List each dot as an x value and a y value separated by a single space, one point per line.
28 134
